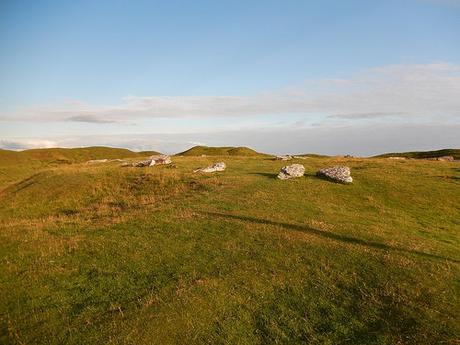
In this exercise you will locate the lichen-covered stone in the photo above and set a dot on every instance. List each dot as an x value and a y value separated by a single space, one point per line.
291 171
340 174
213 168
153 160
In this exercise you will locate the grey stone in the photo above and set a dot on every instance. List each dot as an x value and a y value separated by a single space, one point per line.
340 174
291 171
212 168
283 158
153 160
160 159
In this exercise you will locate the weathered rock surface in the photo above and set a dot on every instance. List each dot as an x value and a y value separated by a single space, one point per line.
283 158
141 164
340 174
443 159
212 168
397 158
291 171
96 161
160 159
153 160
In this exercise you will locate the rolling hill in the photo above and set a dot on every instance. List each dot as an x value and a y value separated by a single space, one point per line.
18 164
423 154
68 155
221 151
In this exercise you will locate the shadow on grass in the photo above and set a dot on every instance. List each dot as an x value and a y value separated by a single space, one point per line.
25 183
274 175
328 235
445 177
312 176
268 175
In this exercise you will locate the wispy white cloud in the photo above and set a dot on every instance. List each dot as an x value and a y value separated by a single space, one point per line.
27 143
89 119
402 90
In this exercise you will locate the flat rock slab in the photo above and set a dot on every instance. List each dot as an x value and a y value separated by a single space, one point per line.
442 159
97 161
291 171
212 168
283 158
153 160
339 174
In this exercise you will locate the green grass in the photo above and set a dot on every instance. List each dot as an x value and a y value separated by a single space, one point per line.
99 254
73 155
18 164
221 151
424 154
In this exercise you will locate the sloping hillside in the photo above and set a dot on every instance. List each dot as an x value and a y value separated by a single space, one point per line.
72 155
220 151
15 165
424 154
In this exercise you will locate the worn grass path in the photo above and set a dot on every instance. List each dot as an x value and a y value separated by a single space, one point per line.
107 255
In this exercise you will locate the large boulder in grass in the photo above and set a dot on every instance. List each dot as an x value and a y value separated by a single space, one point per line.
160 159
340 174
291 171
212 168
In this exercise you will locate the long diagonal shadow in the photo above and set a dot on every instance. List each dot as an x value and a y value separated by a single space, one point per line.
328 235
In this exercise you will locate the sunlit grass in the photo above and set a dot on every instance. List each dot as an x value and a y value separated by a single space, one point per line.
102 254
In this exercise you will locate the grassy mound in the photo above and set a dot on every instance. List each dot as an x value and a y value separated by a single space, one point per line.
72 155
15 165
65 156
88 189
100 254
220 151
424 154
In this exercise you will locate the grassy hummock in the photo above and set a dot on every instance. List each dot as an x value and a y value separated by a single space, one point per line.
220 151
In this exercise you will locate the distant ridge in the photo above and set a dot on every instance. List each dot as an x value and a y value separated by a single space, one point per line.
312 155
69 155
220 151
423 154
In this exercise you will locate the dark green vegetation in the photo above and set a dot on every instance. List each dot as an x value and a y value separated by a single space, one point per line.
425 154
221 151
99 254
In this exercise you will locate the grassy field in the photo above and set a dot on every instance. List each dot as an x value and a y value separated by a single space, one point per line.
100 254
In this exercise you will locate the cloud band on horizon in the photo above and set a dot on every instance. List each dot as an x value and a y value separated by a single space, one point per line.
404 91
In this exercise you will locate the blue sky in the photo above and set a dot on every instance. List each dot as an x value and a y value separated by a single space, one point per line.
75 71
